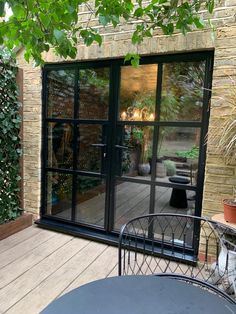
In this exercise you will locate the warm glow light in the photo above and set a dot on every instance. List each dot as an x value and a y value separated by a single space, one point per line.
151 117
123 115
136 115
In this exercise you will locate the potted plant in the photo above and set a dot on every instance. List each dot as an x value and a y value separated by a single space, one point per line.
139 140
230 209
144 165
170 167
225 143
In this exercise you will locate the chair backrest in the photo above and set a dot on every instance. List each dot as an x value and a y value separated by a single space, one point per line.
187 247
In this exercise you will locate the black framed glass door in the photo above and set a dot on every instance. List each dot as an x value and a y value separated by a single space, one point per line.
161 125
77 129
119 141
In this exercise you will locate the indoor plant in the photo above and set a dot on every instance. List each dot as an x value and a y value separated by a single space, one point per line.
170 167
141 142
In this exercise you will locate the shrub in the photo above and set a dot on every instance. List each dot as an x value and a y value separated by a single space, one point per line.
9 139
170 167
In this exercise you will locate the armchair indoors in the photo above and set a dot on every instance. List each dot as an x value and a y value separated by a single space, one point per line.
189 248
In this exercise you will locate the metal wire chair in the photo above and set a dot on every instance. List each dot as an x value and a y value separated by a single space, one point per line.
185 247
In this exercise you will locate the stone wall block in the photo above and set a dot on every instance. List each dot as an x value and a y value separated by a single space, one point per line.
219 178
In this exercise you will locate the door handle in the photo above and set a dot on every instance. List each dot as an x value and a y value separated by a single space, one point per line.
99 145
121 147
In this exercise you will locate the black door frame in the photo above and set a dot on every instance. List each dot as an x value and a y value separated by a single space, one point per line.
107 235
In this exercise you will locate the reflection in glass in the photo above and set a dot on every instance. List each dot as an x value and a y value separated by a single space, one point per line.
135 151
59 195
60 152
182 91
60 102
90 147
178 152
164 203
132 200
94 93
138 93
90 200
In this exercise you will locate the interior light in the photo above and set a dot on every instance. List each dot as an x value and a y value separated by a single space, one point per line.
123 115
151 117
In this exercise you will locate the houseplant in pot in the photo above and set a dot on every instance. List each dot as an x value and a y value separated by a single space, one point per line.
144 165
230 209
140 140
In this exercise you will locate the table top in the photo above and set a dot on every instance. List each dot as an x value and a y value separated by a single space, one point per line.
140 295
220 218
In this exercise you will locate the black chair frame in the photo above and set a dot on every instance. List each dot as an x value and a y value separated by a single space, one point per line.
184 247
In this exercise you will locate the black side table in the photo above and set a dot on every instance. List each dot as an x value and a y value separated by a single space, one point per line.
178 197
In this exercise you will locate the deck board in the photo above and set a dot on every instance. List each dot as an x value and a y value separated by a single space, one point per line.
58 281
48 268
17 238
132 200
34 257
100 268
37 266
24 247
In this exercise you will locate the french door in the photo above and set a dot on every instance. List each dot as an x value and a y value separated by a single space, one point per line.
120 142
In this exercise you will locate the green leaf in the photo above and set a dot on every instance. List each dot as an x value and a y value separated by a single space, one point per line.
104 20
59 35
138 12
133 58
198 22
98 39
19 11
45 19
210 6
2 6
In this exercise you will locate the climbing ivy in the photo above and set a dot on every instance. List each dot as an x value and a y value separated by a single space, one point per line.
10 150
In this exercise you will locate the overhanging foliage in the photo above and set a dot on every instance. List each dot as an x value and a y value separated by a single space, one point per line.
38 25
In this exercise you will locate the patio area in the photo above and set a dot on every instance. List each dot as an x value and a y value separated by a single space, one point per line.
37 266
132 200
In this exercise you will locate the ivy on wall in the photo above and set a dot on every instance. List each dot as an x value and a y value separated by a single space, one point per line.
10 150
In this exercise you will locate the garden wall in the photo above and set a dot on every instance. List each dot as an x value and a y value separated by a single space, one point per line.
219 178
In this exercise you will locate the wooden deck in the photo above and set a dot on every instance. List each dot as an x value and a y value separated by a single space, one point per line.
37 266
132 200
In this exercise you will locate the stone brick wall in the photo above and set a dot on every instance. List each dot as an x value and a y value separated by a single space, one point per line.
219 178
32 108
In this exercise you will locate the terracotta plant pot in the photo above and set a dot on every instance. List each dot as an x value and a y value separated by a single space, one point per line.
230 210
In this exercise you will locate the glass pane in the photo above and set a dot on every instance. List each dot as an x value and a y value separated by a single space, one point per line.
91 152
60 152
60 102
132 200
59 195
182 91
90 200
135 151
138 93
94 93
178 151
174 201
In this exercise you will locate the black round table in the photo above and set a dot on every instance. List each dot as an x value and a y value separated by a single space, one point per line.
140 295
